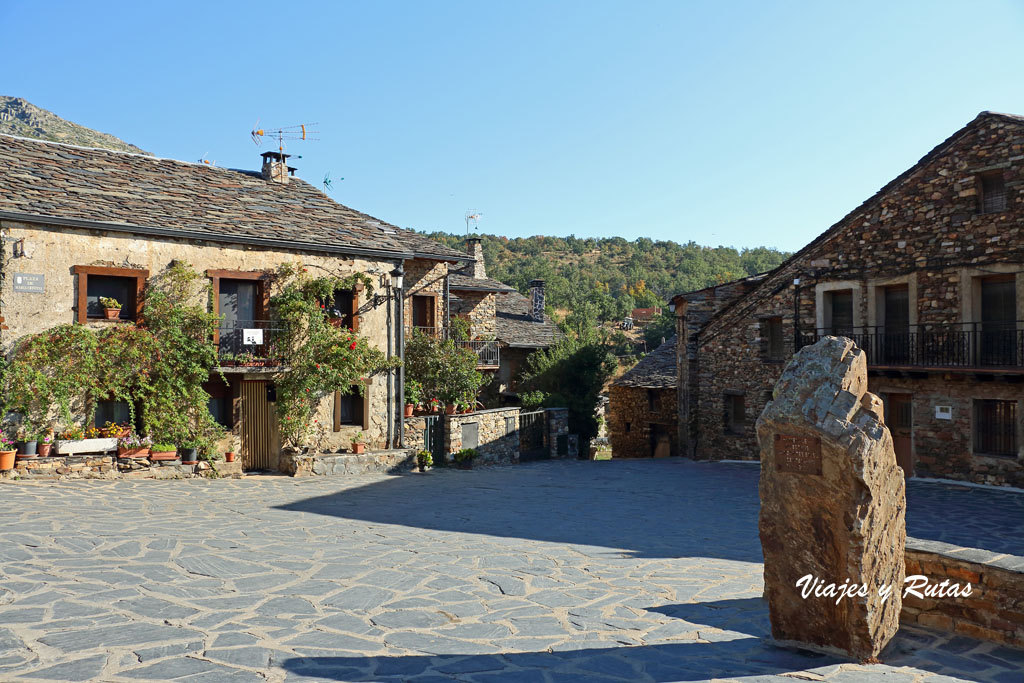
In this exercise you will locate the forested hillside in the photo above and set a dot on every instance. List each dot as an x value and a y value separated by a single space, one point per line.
611 274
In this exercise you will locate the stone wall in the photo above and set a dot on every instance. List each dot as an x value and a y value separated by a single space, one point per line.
995 609
109 467
497 435
53 251
924 231
558 431
481 309
348 464
634 413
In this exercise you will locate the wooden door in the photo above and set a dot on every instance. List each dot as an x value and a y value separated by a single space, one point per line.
260 439
899 419
661 446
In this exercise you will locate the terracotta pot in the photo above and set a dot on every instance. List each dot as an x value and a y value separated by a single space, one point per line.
229 457
358 448
7 460
132 452
112 313
434 408
44 450
163 455
408 409
449 409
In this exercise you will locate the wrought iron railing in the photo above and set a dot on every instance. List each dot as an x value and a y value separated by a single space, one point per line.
488 352
251 343
959 345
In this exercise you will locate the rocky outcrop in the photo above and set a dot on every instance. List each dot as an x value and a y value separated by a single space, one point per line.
832 505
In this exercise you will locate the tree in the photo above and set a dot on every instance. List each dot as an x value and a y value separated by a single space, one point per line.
662 327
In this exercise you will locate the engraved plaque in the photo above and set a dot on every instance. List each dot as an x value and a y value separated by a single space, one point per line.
26 282
471 435
800 454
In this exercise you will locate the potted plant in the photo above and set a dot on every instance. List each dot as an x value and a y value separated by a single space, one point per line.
464 458
7 452
111 307
424 460
358 443
435 405
27 441
449 409
113 430
163 451
45 444
229 456
413 396
134 446
189 452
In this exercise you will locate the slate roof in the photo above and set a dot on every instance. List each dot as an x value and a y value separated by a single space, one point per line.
99 188
467 283
657 370
517 329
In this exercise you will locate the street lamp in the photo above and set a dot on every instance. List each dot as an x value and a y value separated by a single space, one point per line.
396 277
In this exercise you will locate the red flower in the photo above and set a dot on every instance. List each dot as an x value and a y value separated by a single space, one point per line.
352 347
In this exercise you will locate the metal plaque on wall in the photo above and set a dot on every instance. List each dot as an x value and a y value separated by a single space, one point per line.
26 282
800 454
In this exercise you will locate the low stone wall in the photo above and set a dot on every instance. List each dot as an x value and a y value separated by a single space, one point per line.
995 609
108 467
347 464
497 435
558 433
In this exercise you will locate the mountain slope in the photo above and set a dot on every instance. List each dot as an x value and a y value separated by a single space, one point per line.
21 117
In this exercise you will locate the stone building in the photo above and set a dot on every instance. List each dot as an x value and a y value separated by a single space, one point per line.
642 411
927 277
79 223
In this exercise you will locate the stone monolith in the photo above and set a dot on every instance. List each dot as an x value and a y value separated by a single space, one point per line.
832 504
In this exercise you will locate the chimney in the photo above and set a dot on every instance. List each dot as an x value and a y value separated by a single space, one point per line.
475 248
537 300
276 168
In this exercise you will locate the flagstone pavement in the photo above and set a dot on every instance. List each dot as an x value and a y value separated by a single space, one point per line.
552 571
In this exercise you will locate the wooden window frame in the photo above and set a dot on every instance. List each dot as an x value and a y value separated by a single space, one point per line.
767 352
983 195
433 306
354 312
83 272
978 408
262 291
336 417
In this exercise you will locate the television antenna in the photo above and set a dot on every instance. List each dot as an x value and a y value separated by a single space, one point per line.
299 132
328 183
472 216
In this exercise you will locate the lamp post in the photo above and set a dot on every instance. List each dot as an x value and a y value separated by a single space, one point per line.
397 280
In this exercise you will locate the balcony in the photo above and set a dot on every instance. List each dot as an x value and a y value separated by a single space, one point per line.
979 347
251 344
487 352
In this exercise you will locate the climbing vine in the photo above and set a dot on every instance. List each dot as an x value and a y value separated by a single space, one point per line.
320 357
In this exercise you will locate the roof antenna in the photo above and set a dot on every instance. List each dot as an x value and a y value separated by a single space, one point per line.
472 216
328 183
299 132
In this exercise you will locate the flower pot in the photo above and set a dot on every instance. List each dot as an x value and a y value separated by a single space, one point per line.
449 409
464 464
229 457
189 456
112 313
163 455
358 448
27 448
422 468
44 450
408 409
132 452
7 460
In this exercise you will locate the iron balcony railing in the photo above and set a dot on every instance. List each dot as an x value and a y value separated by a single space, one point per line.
251 343
488 352
994 346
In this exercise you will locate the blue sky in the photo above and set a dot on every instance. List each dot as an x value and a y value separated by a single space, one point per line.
735 123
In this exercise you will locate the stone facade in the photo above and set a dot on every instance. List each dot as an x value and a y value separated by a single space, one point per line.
480 308
642 422
54 251
497 433
348 464
424 277
994 610
926 233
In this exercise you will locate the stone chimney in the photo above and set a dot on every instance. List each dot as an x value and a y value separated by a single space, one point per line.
276 168
537 300
475 248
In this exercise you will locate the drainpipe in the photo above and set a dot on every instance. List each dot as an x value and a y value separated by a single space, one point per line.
391 377
400 337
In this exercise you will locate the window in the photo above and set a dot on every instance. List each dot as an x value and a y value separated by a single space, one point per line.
773 341
112 411
348 409
995 427
220 404
123 284
628 425
735 414
423 308
839 307
998 320
653 400
992 197
343 309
